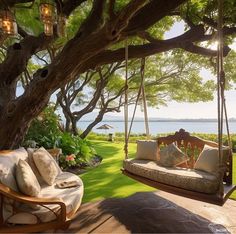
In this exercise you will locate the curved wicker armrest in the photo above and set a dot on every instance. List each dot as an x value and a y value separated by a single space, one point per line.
8 192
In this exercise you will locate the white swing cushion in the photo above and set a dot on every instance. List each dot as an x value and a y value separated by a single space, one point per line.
188 179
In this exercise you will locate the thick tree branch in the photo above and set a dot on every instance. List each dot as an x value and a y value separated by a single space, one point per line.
150 14
94 20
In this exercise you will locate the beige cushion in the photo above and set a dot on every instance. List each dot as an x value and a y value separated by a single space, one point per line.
23 218
189 179
72 198
8 161
26 180
171 156
33 166
46 165
147 150
208 159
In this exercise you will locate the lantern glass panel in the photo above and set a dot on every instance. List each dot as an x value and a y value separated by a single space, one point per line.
48 29
7 23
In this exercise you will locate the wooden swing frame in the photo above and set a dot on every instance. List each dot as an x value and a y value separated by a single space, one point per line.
183 139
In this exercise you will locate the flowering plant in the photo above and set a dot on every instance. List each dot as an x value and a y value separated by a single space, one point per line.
67 161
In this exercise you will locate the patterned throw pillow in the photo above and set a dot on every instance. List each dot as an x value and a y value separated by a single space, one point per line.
171 156
46 165
147 150
26 180
208 159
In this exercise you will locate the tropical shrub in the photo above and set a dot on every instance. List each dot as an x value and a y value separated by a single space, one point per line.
44 130
81 148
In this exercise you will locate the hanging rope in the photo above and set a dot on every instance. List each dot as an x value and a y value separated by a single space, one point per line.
222 110
144 99
140 91
135 108
126 113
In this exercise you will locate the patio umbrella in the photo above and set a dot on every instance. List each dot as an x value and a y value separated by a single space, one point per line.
105 127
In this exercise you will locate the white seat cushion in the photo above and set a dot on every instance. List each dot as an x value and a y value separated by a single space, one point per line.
189 179
71 196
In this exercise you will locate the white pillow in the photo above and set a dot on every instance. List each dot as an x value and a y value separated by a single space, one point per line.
8 161
208 159
26 180
171 156
46 165
147 150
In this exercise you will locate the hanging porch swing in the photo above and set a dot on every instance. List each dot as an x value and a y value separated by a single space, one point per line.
185 180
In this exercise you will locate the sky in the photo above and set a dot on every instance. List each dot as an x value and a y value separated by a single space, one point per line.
189 110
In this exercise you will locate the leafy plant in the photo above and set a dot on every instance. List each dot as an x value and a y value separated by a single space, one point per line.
81 148
44 130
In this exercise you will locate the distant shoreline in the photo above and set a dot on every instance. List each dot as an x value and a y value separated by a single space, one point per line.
165 120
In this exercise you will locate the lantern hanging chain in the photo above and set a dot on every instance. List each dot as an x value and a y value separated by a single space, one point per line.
59 8
126 99
6 5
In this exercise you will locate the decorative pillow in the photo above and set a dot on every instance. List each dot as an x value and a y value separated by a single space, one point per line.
171 156
147 150
26 180
46 165
33 166
208 159
8 161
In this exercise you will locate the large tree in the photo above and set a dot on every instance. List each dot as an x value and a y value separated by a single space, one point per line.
105 24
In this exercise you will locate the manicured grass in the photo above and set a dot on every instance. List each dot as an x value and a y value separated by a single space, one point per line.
106 181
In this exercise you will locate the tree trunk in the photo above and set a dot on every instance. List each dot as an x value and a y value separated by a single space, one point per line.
15 120
74 127
97 120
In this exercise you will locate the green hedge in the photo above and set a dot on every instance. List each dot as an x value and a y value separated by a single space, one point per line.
119 137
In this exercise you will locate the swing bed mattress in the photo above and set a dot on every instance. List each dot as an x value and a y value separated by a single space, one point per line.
189 179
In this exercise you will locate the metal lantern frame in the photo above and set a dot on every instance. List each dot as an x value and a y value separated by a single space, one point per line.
8 24
47 11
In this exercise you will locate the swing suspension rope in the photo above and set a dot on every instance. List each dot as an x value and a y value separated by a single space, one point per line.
141 93
221 103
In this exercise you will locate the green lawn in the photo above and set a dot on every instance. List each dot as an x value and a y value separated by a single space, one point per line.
106 180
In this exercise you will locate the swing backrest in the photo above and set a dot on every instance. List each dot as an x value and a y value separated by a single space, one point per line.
192 146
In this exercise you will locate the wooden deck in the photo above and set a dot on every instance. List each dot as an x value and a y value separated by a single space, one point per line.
157 212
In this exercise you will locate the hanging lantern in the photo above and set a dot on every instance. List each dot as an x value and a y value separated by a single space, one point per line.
7 23
61 23
47 11
47 15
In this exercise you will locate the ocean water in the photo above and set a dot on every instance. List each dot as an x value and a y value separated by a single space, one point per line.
161 127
